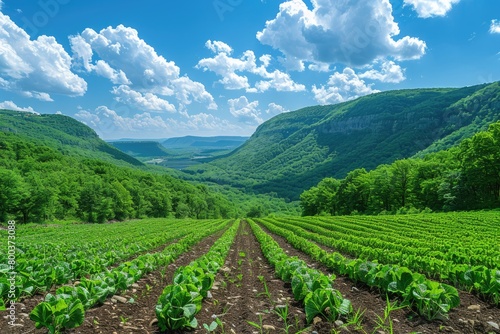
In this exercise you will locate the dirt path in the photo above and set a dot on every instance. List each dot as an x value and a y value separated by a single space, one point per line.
239 294
471 317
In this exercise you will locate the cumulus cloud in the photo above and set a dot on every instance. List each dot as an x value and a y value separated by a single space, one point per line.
204 122
117 77
431 8
245 111
88 118
38 67
110 122
10 105
107 121
275 109
38 95
342 87
495 27
145 102
126 59
227 67
187 90
352 32
218 47
390 72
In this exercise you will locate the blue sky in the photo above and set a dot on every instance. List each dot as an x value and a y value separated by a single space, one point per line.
222 67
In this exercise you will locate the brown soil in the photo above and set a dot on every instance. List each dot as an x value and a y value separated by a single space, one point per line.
461 319
117 317
238 297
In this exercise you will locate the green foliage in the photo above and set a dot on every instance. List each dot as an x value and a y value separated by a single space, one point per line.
294 151
431 299
57 313
141 149
62 133
458 253
177 306
466 177
180 301
40 183
309 286
66 309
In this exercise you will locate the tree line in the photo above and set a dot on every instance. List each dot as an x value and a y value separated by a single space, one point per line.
466 177
38 183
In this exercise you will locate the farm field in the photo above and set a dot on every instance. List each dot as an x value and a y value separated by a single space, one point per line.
433 273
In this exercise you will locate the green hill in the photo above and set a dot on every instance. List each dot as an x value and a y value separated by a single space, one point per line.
54 167
63 133
293 151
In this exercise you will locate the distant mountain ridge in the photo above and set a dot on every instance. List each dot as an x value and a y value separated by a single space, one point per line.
207 142
295 150
141 148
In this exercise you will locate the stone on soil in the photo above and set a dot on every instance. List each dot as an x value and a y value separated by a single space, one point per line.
493 325
268 327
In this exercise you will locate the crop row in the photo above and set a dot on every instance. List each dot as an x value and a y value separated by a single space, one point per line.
429 298
74 258
310 286
181 301
66 309
479 278
471 246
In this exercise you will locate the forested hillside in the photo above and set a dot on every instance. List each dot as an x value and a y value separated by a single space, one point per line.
46 173
466 177
63 133
295 150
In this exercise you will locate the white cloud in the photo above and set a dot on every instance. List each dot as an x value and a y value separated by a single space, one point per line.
353 32
107 121
123 50
82 53
342 87
146 102
245 111
9 105
112 123
218 47
431 8
117 77
275 109
226 66
126 59
319 67
186 89
88 118
389 72
35 66
38 95
495 27
205 122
